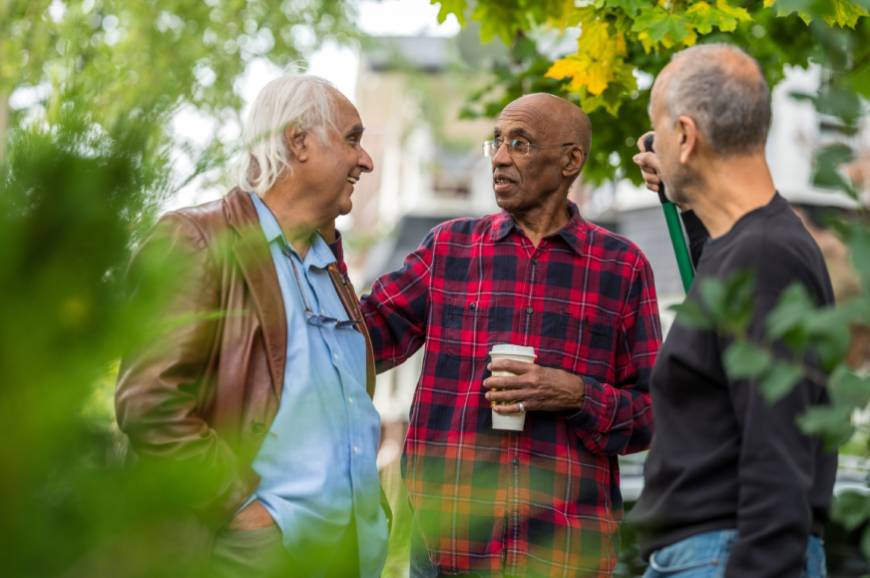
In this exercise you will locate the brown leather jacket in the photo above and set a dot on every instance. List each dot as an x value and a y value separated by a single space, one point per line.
209 388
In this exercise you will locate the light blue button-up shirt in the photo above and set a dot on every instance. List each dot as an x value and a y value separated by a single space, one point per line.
317 463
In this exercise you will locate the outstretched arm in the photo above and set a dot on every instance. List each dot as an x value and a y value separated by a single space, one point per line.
396 310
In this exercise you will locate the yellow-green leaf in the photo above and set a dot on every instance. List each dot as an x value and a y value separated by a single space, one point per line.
599 60
844 13
734 11
448 7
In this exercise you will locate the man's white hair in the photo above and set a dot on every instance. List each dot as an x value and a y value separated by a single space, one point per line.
294 100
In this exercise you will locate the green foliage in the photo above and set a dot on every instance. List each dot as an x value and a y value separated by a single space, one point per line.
87 164
621 38
72 202
455 7
777 383
744 360
850 389
130 56
852 509
833 423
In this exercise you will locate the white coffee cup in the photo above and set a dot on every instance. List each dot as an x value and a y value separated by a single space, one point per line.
512 421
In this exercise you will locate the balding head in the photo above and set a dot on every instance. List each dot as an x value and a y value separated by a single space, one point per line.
557 117
723 90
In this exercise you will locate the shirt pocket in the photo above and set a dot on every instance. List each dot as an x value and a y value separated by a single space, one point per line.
471 326
599 345
584 344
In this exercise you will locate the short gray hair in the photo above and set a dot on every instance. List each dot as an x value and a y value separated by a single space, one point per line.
298 100
723 90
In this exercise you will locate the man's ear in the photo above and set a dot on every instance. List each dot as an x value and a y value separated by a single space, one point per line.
576 160
689 135
296 140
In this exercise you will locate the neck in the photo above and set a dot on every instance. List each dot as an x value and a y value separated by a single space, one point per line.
297 216
729 189
545 219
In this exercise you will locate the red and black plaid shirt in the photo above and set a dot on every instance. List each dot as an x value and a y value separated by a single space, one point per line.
546 501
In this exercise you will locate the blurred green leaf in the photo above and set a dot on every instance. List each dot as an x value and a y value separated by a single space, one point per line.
448 7
744 360
832 423
524 49
786 7
691 314
827 170
851 508
630 7
789 313
850 389
828 332
843 104
715 295
859 246
779 381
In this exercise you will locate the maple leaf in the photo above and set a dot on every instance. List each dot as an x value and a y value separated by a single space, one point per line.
705 17
735 12
661 26
630 7
844 13
448 7
645 41
700 15
599 60
568 16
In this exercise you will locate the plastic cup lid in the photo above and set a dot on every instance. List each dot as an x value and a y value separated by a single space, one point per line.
511 349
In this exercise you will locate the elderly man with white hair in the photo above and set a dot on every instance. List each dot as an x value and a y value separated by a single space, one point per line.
271 396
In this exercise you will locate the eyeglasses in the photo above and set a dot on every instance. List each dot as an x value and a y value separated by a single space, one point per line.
516 145
312 318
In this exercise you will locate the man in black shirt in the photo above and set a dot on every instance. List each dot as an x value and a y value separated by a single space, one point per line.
733 487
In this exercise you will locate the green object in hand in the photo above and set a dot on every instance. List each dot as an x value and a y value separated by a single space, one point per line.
675 230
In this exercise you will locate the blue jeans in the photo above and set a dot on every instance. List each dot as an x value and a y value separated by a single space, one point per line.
704 556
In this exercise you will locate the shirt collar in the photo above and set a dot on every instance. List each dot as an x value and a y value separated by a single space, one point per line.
319 254
573 233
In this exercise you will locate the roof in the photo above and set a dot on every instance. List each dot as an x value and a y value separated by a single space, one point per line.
426 53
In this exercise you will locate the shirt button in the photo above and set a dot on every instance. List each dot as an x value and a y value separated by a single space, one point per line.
350 400
529 311
516 461
356 450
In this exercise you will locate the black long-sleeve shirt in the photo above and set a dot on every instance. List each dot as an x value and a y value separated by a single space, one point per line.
722 456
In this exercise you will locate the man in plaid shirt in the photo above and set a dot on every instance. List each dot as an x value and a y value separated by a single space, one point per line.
544 501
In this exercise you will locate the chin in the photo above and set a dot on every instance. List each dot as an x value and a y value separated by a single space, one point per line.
508 203
345 208
504 200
